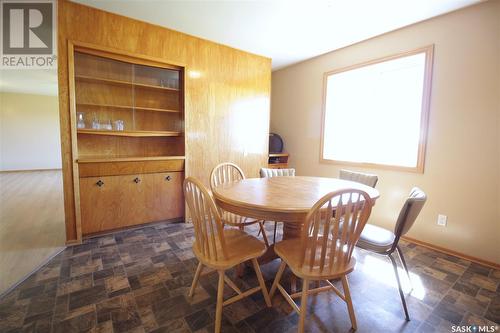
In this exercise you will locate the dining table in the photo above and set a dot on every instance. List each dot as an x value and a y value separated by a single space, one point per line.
281 199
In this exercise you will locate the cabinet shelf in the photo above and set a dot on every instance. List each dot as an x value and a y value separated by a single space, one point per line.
127 107
278 161
85 78
90 159
129 133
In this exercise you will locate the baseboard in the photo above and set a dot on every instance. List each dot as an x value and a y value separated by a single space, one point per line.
8 290
451 252
127 228
72 242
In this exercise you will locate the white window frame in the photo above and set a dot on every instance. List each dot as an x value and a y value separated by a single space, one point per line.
424 115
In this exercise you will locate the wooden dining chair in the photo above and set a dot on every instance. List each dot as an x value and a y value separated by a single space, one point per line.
227 173
367 179
324 251
220 248
385 242
269 173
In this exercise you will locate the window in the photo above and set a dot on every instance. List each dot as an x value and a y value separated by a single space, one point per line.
375 114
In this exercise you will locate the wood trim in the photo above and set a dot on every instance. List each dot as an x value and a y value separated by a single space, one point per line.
97 159
424 116
121 55
129 133
65 130
370 165
452 252
73 136
72 242
426 106
93 79
277 165
129 107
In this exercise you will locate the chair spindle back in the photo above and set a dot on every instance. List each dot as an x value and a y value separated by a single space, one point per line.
332 228
225 173
268 173
208 228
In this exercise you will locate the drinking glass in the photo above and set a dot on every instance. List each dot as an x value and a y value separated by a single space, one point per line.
81 120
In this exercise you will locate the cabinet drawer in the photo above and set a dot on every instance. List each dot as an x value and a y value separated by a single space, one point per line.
97 169
113 202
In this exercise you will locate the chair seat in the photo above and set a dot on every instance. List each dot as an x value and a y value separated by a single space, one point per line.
240 247
290 251
376 239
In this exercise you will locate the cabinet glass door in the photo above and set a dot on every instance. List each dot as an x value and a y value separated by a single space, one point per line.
104 93
157 99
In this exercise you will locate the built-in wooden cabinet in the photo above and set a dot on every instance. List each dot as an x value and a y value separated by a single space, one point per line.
112 202
128 128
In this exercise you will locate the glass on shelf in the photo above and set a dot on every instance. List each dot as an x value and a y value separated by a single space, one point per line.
119 125
106 125
80 116
95 122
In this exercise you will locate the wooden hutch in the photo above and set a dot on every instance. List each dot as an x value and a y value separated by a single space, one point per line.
127 116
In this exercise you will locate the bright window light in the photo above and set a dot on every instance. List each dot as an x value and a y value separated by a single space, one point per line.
376 114
380 269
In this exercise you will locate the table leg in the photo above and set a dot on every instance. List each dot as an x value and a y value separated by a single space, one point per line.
293 283
292 230
268 256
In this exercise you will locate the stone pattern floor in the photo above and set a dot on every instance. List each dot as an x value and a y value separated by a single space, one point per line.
137 281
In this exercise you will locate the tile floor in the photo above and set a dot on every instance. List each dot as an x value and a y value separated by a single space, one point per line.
137 281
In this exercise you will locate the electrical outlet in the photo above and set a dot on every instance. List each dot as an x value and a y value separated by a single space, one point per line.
442 220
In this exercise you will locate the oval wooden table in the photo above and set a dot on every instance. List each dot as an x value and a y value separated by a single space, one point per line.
282 199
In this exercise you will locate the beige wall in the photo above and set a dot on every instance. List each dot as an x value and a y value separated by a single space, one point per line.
29 132
462 166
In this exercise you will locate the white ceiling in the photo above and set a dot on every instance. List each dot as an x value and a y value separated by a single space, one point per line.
287 31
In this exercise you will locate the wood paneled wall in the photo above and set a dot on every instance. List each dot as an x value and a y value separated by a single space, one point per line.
227 92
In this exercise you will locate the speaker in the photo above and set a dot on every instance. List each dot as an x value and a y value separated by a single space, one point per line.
275 144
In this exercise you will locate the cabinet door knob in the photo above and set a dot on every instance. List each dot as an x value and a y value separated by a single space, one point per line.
137 180
168 178
99 183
